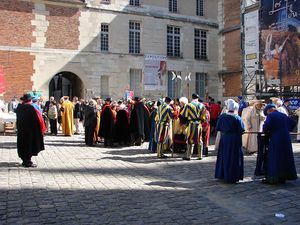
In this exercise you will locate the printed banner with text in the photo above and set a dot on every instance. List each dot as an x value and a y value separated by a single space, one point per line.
154 71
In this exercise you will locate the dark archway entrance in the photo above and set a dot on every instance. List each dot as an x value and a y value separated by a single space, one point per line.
66 84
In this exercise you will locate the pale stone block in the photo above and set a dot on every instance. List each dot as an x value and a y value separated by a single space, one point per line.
43 28
38 45
40 34
40 12
40 6
41 39
34 22
40 17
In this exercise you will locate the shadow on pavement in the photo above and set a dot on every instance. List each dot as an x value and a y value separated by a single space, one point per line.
10 164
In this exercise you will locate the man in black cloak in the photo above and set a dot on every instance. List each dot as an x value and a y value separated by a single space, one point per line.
90 122
122 126
107 123
139 122
30 131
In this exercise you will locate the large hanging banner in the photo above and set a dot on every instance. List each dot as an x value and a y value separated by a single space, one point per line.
155 71
251 44
280 41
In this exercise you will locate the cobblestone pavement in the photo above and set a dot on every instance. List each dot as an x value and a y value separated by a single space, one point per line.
75 184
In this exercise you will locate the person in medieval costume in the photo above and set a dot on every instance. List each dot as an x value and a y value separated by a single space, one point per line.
152 144
147 123
137 122
214 112
230 159
163 121
45 112
121 133
96 138
254 121
218 134
206 130
280 158
179 126
31 130
90 122
12 105
76 114
107 123
52 116
245 118
242 105
195 114
67 120
281 108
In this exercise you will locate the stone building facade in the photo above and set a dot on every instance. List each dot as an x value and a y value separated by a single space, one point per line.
85 48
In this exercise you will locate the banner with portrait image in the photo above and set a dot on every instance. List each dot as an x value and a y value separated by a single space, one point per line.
280 41
154 71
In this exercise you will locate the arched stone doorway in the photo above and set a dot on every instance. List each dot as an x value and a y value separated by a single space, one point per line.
66 84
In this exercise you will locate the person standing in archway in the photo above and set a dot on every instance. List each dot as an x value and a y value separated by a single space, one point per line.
67 120
76 114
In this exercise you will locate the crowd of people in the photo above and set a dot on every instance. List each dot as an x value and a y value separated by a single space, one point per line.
169 125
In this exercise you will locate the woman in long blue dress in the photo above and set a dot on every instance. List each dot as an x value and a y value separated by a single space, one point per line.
152 144
230 159
280 158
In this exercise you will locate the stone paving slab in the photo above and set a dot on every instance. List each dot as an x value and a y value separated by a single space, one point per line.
76 184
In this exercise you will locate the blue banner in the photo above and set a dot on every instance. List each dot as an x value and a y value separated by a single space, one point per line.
294 103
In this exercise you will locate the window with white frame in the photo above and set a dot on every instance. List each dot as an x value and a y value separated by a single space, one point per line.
173 5
136 81
200 44
174 85
104 85
173 41
134 37
104 37
200 7
200 84
134 2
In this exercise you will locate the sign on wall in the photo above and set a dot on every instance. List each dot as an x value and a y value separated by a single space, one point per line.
154 71
280 41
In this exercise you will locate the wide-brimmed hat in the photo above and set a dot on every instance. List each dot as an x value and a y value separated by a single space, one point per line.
26 97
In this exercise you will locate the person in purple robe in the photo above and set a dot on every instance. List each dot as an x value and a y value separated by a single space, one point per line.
280 159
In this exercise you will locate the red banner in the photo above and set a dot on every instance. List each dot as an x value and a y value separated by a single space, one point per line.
2 85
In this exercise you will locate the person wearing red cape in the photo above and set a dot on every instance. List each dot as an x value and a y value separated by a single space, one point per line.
30 131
